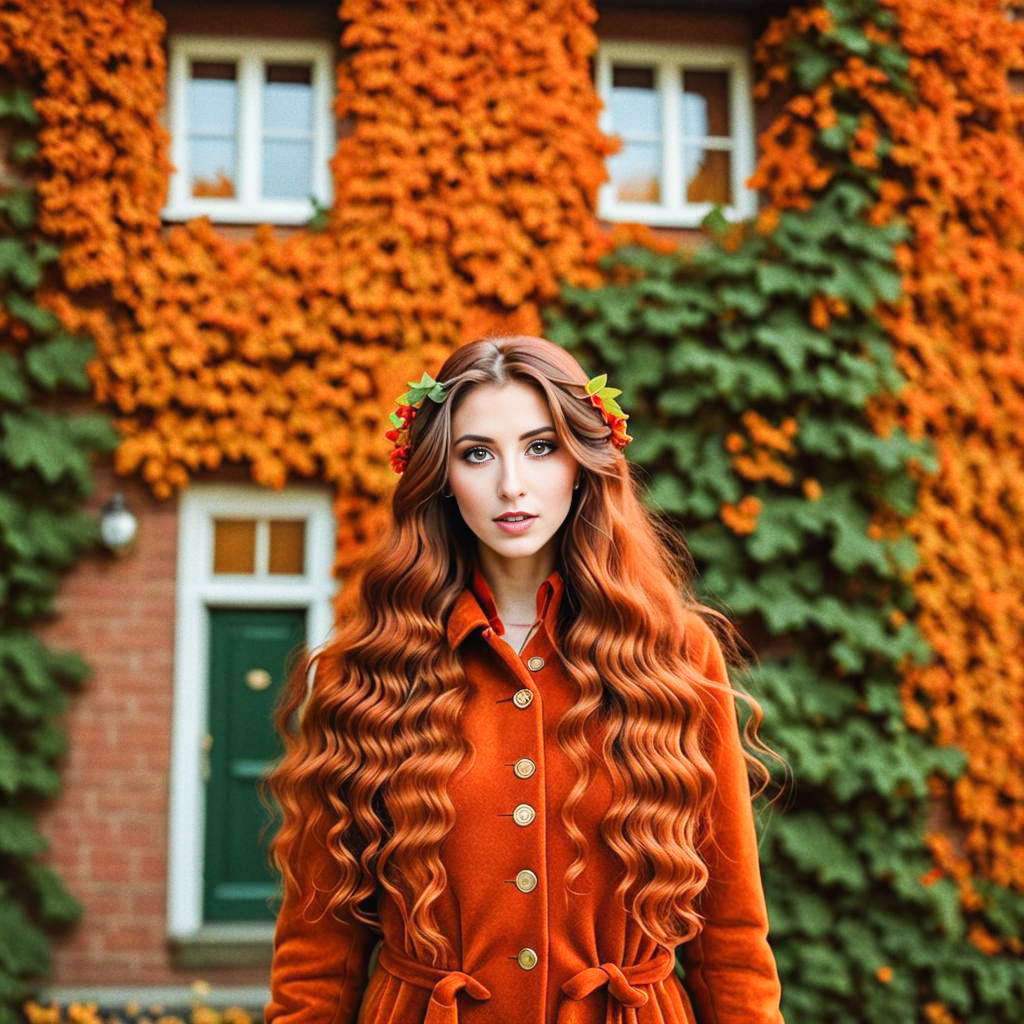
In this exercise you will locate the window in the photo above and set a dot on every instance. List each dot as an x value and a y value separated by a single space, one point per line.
683 113
252 129
259 547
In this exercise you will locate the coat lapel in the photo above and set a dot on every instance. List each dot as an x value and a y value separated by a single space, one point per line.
475 607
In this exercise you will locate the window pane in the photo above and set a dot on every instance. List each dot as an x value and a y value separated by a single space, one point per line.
213 97
635 103
705 107
212 128
288 99
287 168
635 172
707 175
287 546
212 166
234 545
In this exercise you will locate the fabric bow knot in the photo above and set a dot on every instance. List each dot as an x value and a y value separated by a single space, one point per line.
444 1007
624 995
444 985
579 986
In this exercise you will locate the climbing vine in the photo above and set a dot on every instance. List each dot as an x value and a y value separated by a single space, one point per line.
959 340
787 400
45 474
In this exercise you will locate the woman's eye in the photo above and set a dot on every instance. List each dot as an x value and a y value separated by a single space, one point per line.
551 446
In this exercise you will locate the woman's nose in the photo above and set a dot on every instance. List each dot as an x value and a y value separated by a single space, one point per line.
511 484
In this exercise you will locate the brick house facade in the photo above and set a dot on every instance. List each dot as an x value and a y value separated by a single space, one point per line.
127 831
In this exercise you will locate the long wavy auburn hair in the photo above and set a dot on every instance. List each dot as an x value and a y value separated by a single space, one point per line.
378 734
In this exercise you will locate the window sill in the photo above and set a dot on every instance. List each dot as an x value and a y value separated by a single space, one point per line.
230 213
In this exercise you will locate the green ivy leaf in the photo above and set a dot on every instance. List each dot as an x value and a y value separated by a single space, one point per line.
17 103
60 362
56 904
40 320
19 836
18 263
32 440
809 840
13 388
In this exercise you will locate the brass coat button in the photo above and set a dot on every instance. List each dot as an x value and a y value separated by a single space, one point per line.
535 664
521 698
524 768
524 814
527 958
526 880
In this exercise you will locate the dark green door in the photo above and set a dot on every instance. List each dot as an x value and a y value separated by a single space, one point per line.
251 649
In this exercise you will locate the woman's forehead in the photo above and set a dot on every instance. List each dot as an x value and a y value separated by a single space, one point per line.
501 412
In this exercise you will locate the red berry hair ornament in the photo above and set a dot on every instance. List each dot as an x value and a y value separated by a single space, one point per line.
405 413
604 398
426 387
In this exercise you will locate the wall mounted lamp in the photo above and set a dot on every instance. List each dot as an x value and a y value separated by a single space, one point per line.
118 525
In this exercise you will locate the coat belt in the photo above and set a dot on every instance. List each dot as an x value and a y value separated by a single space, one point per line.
621 982
623 995
444 985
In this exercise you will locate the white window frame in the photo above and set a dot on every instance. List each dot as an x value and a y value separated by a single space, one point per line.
198 589
666 59
249 206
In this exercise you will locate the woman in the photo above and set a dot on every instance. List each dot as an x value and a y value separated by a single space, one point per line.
519 765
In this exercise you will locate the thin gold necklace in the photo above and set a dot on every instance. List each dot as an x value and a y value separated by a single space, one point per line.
527 637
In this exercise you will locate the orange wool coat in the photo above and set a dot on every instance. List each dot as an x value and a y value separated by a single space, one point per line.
522 956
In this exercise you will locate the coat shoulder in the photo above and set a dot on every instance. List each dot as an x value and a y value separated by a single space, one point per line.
699 638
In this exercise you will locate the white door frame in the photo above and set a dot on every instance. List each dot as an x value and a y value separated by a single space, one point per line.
197 590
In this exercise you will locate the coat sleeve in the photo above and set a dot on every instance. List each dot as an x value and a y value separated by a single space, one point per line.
318 973
731 975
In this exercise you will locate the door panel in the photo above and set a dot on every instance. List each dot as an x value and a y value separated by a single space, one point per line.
251 649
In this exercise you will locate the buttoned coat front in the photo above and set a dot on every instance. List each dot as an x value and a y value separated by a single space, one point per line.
523 954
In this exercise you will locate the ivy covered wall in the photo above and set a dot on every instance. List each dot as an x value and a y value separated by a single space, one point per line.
826 399
46 454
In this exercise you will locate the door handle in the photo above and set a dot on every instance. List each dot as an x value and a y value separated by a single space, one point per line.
257 679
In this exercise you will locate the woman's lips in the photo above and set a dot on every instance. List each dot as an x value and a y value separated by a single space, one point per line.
520 527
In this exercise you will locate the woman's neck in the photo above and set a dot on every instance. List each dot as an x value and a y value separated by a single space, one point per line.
514 582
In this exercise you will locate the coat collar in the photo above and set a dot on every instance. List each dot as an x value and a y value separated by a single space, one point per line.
475 606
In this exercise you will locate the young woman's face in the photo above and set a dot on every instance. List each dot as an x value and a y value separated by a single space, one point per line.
506 457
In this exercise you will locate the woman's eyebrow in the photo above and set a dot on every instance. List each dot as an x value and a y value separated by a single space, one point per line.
522 437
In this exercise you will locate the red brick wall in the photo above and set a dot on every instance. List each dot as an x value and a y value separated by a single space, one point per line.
109 826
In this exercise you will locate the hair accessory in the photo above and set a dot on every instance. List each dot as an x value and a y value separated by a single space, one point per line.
604 398
405 413
601 396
